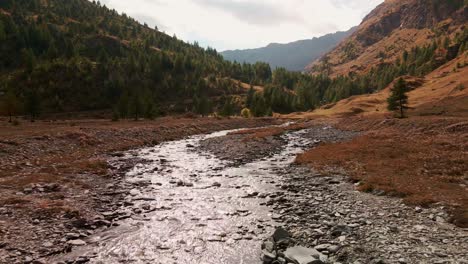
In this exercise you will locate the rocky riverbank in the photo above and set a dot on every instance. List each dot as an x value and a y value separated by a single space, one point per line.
57 188
242 147
324 219
328 215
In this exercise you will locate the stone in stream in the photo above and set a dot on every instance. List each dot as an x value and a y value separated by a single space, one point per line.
280 233
76 242
302 255
134 192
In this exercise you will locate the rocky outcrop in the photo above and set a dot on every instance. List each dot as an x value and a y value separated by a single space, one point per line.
391 21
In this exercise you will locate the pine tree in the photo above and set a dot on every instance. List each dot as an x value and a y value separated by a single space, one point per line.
151 110
250 97
136 106
204 106
29 59
259 107
398 100
228 107
33 104
10 104
2 31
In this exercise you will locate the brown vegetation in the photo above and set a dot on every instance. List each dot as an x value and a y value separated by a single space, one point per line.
423 160
441 92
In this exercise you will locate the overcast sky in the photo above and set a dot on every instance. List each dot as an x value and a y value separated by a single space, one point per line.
240 24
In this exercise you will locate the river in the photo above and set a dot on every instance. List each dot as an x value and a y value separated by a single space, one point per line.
202 209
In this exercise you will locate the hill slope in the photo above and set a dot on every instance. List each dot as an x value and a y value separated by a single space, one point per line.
442 92
390 29
294 56
76 55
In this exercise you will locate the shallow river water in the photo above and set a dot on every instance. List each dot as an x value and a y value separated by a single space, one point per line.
205 210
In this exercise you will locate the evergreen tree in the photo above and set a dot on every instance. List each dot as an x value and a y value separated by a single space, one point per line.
398 99
151 110
10 104
33 104
228 107
259 107
2 31
29 59
204 106
250 97
136 105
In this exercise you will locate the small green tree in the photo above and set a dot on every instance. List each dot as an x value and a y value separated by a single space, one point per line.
204 107
151 111
10 104
259 107
29 59
2 31
250 97
228 107
398 99
136 106
33 104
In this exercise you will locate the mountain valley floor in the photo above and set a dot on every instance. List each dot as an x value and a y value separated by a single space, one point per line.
55 179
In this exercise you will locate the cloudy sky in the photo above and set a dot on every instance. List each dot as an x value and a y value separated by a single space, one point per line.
240 24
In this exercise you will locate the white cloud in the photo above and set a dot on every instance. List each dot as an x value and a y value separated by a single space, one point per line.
238 24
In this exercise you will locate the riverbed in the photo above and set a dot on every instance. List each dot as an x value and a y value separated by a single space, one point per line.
196 207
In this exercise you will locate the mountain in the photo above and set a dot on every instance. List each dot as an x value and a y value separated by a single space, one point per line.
393 27
294 56
65 56
423 42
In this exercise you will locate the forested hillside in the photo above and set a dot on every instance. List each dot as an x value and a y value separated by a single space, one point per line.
74 55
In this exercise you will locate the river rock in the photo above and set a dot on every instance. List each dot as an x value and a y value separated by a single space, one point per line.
280 234
134 192
302 255
76 242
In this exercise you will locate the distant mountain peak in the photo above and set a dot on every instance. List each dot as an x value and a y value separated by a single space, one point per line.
294 56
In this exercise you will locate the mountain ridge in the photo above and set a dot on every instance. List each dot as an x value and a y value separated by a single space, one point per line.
390 29
292 55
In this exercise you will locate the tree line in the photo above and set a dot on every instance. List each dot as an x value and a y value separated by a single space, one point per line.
76 55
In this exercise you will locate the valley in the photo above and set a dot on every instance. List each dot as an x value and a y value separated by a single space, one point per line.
120 143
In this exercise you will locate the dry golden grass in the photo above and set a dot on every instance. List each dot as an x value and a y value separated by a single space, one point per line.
443 92
423 160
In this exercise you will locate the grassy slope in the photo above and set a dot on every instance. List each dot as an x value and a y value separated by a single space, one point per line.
440 93
422 159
